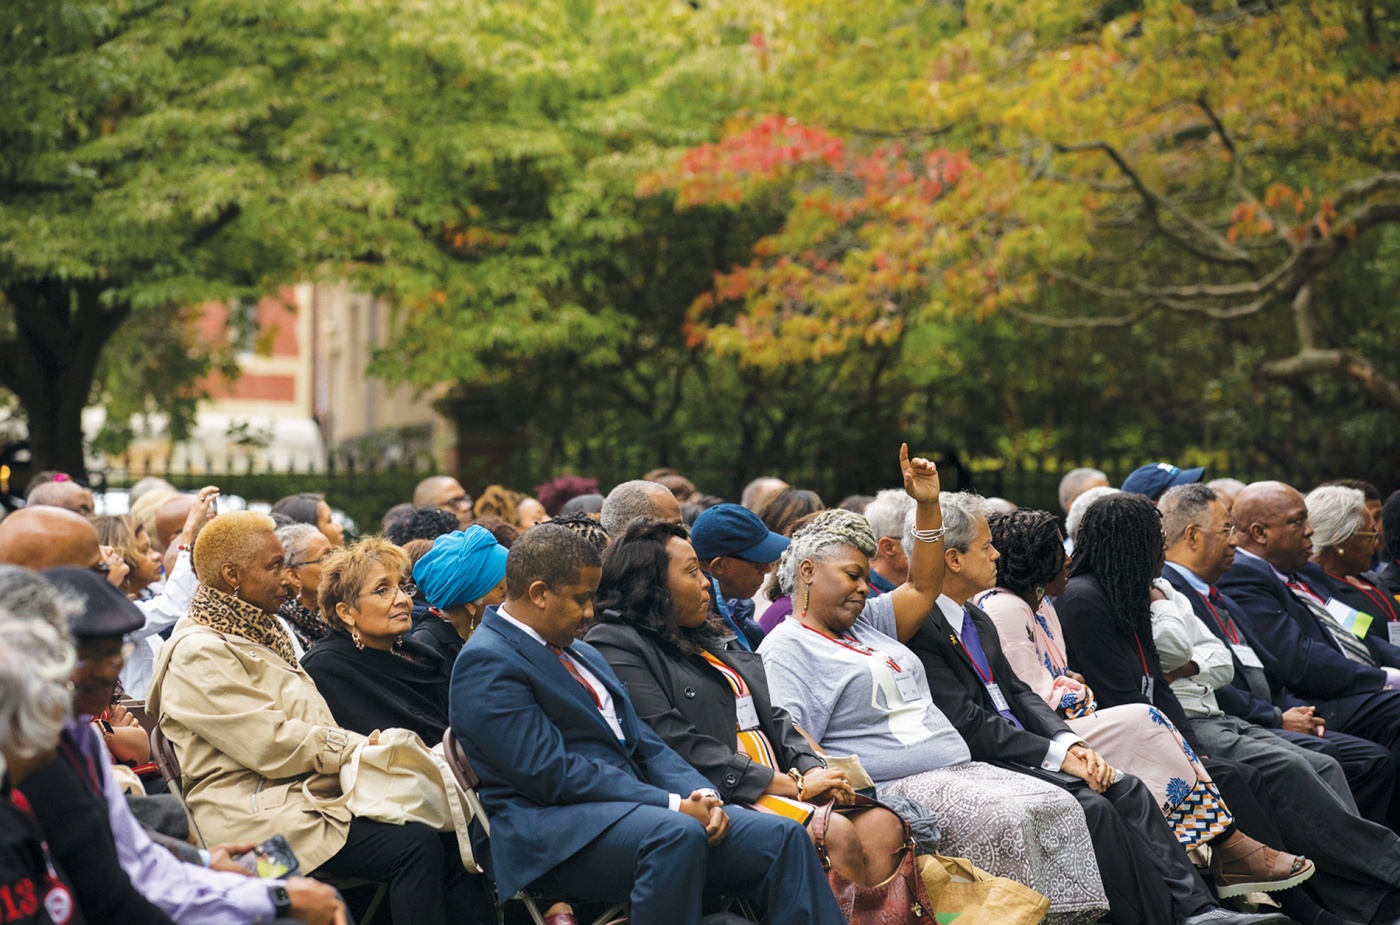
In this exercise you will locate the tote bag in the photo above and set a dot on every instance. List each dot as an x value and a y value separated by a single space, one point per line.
964 894
401 780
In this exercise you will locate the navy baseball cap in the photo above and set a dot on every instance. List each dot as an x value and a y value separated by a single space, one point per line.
1154 478
105 612
735 531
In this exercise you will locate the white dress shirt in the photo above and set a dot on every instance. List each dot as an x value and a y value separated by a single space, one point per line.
162 612
1059 745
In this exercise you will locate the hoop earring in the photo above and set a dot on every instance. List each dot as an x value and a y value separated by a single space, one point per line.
1039 592
355 638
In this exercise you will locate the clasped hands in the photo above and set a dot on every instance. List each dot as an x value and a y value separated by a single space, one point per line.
707 809
1090 767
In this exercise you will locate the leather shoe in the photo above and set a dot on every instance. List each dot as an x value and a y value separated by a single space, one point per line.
1215 915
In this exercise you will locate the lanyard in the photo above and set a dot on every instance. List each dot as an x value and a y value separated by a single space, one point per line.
1386 607
1231 634
58 899
856 646
1300 586
1142 654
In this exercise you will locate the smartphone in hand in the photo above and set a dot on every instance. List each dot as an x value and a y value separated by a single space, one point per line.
272 860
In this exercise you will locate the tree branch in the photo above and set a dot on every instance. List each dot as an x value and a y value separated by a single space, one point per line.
1206 244
1383 390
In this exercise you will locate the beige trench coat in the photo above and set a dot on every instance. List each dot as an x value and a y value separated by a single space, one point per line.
249 730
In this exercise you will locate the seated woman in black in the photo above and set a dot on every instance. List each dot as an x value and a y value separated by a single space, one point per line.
34 702
709 702
371 674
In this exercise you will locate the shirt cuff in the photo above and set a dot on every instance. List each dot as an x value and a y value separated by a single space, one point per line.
205 857
1059 747
674 801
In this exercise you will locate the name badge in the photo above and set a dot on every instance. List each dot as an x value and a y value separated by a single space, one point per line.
908 686
1393 629
747 715
1351 619
998 698
1148 683
1246 654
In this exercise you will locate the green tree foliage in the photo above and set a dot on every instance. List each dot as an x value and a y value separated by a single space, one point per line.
1181 213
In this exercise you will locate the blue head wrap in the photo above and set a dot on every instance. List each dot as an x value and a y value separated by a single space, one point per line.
460 568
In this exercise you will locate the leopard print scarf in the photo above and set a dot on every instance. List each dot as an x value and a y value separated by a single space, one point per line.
228 614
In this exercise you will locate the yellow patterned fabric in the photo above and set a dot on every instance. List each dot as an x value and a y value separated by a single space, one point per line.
752 742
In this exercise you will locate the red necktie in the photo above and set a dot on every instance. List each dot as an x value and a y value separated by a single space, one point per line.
572 669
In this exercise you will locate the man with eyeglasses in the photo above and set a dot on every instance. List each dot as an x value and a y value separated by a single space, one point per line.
445 492
1205 643
119 875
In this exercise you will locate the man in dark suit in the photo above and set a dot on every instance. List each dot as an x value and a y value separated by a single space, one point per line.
1200 549
1350 682
1145 871
584 798
1358 860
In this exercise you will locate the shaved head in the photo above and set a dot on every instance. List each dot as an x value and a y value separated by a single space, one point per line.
445 492
1271 521
1260 502
170 519
43 537
66 494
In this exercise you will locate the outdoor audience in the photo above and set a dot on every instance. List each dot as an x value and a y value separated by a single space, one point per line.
665 715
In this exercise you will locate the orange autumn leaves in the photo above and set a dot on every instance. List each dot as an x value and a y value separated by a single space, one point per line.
854 253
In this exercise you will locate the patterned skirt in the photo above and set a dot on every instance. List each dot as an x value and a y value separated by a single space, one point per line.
1014 826
1140 740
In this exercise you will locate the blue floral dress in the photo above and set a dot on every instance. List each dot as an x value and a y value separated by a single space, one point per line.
1135 738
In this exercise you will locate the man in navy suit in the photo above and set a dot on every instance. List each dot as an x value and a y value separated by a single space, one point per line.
1350 682
1358 860
584 799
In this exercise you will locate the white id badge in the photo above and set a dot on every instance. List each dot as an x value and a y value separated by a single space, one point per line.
1246 654
998 698
908 686
1393 629
747 715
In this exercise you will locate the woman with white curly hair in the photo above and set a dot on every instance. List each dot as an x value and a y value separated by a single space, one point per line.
35 699
1345 539
840 667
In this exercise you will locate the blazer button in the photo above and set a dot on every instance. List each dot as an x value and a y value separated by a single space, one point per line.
690 693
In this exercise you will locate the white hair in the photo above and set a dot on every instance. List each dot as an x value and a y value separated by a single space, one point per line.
887 511
1335 512
296 540
35 695
1081 504
961 512
819 540
1073 484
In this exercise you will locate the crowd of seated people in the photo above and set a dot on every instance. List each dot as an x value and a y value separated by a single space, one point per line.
1179 700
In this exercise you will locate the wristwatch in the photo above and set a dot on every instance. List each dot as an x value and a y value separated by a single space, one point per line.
281 902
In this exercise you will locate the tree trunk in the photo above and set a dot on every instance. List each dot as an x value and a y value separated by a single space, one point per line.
60 332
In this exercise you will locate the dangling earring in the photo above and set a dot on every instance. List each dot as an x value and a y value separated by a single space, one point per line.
807 601
1039 592
355 637
235 593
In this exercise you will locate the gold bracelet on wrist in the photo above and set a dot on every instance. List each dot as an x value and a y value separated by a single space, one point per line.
796 776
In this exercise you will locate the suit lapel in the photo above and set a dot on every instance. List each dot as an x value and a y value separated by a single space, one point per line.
940 626
545 665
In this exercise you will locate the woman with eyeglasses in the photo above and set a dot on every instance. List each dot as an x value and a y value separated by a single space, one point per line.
306 548
257 742
1345 539
372 674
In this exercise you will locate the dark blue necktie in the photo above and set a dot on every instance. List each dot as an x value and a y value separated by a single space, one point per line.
973 644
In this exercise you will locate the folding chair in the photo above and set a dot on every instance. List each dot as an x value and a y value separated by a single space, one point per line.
163 754
466 777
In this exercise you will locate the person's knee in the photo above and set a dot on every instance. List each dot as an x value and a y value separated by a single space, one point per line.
417 846
679 836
